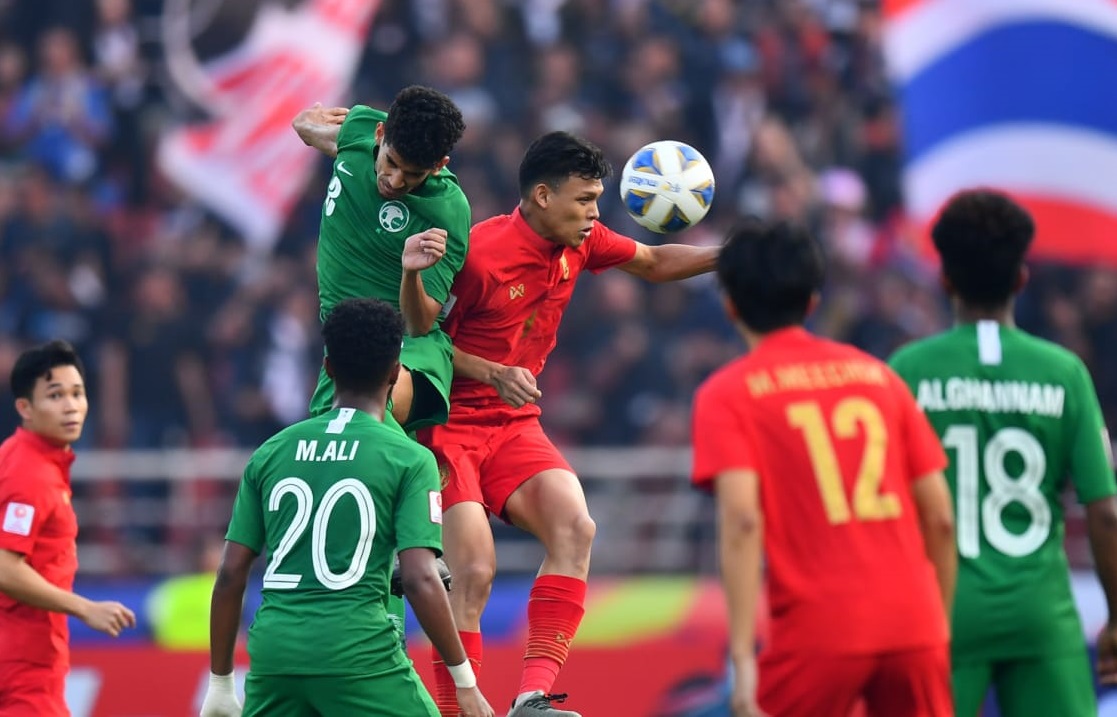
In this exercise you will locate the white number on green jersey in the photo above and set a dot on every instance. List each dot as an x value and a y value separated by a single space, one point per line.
332 193
304 500
1004 489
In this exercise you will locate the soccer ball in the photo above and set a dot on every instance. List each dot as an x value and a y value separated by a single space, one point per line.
667 186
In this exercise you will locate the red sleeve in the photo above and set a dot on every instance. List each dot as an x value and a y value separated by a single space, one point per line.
923 451
23 510
465 293
718 436
607 248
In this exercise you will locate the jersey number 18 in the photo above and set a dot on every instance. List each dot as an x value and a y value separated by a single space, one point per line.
1004 490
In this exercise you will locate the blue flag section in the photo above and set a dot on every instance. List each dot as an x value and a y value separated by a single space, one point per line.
1014 95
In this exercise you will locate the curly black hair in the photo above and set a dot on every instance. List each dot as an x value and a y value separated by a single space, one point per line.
423 125
982 237
363 338
37 362
557 156
770 272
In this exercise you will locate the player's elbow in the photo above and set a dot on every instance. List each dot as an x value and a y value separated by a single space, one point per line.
416 584
741 524
1101 521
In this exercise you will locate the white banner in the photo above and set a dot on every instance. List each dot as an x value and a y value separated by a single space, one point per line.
245 163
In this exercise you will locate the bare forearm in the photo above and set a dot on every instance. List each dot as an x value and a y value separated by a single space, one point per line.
427 596
943 554
417 307
1101 527
467 365
224 622
681 261
322 137
23 583
740 546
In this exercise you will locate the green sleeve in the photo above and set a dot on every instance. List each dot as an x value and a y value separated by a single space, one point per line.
247 524
1091 463
358 129
455 218
419 506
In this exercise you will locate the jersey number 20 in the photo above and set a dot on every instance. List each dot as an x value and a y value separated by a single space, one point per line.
1004 490
304 500
850 417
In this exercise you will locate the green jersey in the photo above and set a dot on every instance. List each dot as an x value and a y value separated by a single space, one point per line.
1018 416
360 248
330 500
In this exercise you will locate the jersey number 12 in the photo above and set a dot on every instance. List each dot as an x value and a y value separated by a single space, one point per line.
1004 490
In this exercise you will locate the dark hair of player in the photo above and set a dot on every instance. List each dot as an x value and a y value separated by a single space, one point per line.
558 156
982 237
38 362
423 125
770 272
363 338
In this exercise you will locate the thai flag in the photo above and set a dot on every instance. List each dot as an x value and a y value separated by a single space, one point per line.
1018 95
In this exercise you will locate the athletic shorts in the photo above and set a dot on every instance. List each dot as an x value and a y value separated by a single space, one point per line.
400 694
483 458
1041 685
907 683
430 360
32 691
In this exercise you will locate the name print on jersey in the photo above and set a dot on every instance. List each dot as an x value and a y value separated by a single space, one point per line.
334 451
969 394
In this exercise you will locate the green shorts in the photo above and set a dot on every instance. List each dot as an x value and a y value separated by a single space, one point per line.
1060 685
430 360
398 694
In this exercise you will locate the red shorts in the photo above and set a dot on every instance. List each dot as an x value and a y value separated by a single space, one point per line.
908 683
32 690
484 460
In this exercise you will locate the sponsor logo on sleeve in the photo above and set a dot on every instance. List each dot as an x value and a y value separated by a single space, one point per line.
18 518
436 506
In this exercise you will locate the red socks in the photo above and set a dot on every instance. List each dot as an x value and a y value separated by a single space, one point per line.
554 612
446 694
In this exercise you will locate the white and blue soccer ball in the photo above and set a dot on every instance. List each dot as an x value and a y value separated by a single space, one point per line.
667 186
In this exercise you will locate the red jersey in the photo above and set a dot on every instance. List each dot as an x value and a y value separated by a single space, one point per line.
510 295
836 439
39 523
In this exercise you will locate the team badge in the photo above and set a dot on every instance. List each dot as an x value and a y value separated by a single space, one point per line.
394 216
436 506
444 475
18 519
565 267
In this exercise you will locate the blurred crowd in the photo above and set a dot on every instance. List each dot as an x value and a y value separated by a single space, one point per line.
192 340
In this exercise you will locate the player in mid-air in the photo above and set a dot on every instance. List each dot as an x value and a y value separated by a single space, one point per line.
38 532
331 499
1018 416
821 460
508 300
395 227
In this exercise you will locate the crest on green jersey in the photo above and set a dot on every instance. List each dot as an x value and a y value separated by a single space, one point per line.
394 216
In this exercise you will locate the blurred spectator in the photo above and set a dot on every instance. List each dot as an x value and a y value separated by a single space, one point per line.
61 117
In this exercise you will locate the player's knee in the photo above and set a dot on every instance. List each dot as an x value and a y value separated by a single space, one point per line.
474 579
575 537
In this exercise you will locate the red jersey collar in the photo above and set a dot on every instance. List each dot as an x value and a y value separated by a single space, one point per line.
63 457
534 239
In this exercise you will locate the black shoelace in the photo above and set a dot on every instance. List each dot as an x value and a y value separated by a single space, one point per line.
546 700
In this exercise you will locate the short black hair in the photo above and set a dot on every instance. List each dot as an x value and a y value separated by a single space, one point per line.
363 338
423 125
770 272
38 362
982 237
557 156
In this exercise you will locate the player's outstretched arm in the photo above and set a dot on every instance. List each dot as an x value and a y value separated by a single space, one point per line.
515 385
740 547
1101 526
21 582
224 622
423 587
936 520
671 262
318 126
421 251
